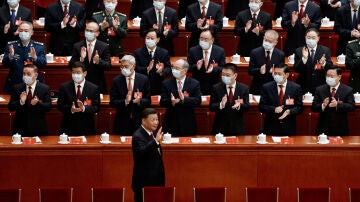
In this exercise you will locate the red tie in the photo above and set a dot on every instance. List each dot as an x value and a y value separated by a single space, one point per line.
231 95
78 93
301 11
333 91
206 59
281 94
89 52
267 58
254 19
203 13
29 96
65 10
129 84
179 86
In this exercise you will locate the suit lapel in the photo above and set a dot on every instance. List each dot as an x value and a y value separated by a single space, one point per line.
84 92
60 11
274 91
154 16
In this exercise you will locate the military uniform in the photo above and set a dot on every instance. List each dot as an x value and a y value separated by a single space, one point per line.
22 57
111 35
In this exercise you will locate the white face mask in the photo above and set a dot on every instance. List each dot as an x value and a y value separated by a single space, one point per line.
77 78
330 81
267 46
27 80
204 45
226 80
65 1
311 43
125 71
201 1
110 7
278 79
13 3
150 43
24 36
254 6
158 5
90 36
176 73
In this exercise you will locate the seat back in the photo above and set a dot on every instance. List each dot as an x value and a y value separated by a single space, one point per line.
262 194
103 194
354 194
10 195
159 194
210 194
55 194
321 194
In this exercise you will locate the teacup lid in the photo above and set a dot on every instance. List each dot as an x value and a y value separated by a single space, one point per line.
357 93
167 133
225 17
261 134
137 17
308 93
105 133
236 55
342 55
326 18
322 134
219 133
63 134
49 54
17 134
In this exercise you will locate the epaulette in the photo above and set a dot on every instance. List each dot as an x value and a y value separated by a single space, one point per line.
99 12
121 14
10 42
36 42
352 41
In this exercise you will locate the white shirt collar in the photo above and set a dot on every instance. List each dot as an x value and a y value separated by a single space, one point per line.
147 131
32 87
302 4
92 43
206 6
182 81
16 9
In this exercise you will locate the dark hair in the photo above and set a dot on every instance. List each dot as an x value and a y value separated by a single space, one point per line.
148 111
208 30
283 66
334 67
313 30
32 66
231 66
152 30
78 64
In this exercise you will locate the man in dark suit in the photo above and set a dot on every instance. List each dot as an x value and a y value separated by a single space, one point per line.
203 15
129 94
65 20
229 100
206 61
94 54
183 5
333 101
10 18
281 101
78 100
279 7
311 61
148 167
180 95
20 52
153 61
233 7
352 62
297 17
139 6
251 25
31 101
165 21
346 25
262 59
329 8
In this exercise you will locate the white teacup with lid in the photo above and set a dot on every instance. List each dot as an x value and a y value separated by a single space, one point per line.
16 138
341 58
308 97
167 137
219 138
357 97
63 138
278 21
261 138
325 21
136 21
322 139
105 138
235 58
49 57
225 21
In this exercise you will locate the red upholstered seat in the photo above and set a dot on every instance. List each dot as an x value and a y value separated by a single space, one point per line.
159 194
354 194
262 194
107 194
210 194
55 194
345 77
321 194
314 117
10 195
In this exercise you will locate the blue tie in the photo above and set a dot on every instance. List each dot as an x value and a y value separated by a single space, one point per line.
13 17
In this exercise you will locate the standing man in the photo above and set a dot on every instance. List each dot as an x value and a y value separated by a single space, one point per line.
203 15
329 7
183 5
21 52
251 25
180 95
78 100
352 62
129 94
229 100
65 19
153 61
281 101
333 101
11 16
262 59
31 100
297 17
311 61
206 60
113 27
346 25
147 153
94 54
164 20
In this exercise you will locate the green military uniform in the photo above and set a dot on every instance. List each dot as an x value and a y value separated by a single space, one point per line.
352 62
112 35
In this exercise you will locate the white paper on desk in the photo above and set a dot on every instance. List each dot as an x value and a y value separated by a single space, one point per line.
204 98
2 99
83 137
200 140
175 140
38 140
257 98
278 139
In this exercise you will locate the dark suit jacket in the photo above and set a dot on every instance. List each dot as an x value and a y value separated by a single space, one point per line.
149 19
229 121
180 119
327 10
148 167
233 7
295 34
279 6
138 7
128 117
63 40
93 6
183 5
193 14
81 123
30 120
258 59
95 72
309 78
333 121
23 13
250 40
343 27
207 80
143 59
270 100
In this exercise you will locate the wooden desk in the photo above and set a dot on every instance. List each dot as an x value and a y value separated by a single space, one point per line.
235 166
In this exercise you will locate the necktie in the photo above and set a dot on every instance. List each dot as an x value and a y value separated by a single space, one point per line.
160 22
66 10
129 84
254 21
203 13
179 86
29 96
231 95
89 52
78 93
354 20
206 59
13 17
151 54
281 94
333 91
267 58
312 55
301 13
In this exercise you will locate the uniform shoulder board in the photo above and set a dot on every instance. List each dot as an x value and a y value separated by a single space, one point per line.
39 43
96 13
121 14
10 42
352 41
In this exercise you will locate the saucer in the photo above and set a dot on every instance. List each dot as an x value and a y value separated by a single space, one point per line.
236 62
105 142
63 142
39 23
307 101
326 142
16 142
136 25
258 142
340 63
167 142
220 142
291 63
